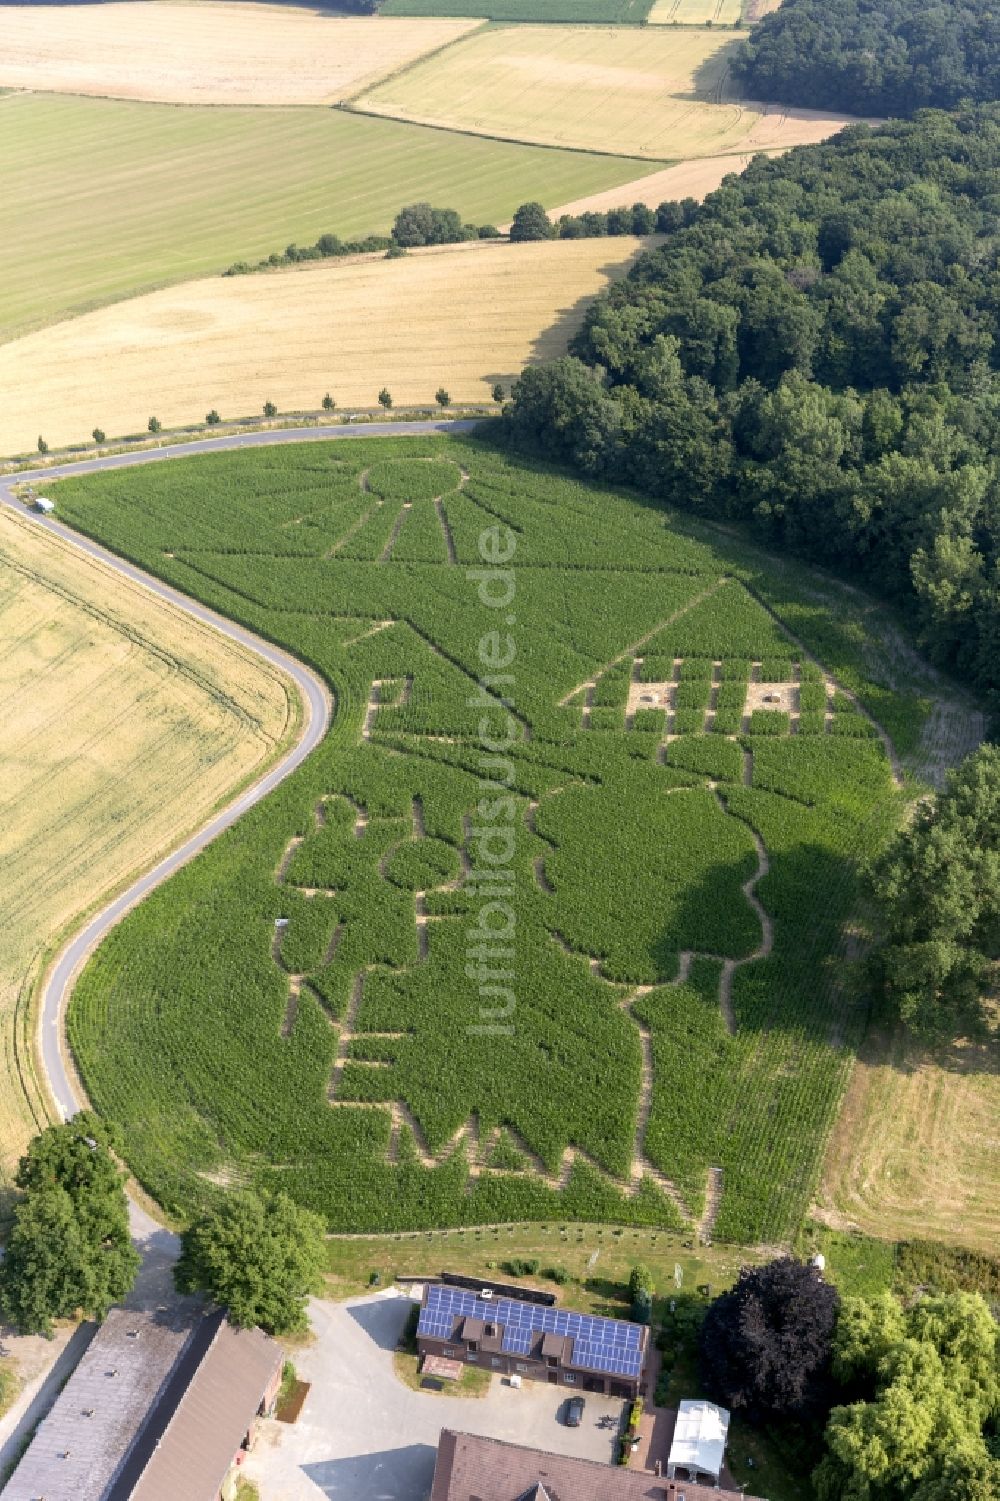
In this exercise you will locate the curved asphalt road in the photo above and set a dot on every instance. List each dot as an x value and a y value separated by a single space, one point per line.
315 697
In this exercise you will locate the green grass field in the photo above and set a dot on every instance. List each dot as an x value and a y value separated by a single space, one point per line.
678 906
107 198
632 11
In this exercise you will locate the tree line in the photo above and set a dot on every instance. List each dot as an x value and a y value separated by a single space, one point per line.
70 1250
420 224
815 352
873 57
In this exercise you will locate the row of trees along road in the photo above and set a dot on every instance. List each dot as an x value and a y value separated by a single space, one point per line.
70 1252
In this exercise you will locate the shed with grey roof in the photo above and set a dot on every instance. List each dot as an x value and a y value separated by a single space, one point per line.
162 1405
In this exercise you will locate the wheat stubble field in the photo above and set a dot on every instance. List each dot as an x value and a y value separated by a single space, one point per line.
208 53
696 13
654 92
915 1148
124 723
460 316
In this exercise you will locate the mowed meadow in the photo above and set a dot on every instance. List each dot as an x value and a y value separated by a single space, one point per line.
124 723
655 92
111 198
464 317
682 872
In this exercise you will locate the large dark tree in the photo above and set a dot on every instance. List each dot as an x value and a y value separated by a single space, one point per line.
765 1346
69 1249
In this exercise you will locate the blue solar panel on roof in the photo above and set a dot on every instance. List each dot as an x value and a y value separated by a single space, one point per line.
607 1345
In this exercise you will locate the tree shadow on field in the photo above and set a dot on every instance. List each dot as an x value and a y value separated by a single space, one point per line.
711 81
554 340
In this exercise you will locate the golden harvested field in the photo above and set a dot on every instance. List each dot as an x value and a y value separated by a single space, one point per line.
694 179
916 1149
696 12
209 53
123 723
460 316
652 92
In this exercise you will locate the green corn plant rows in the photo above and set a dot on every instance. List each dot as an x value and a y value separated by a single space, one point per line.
364 1088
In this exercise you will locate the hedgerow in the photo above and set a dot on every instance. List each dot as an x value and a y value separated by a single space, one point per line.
775 670
769 722
650 721
812 696
181 1023
710 758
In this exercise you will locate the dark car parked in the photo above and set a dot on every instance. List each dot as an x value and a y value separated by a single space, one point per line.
573 1412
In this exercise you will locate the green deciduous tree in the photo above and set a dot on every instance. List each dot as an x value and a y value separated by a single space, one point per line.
98 435
640 1292
385 398
531 222
328 403
70 1249
934 1382
563 408
270 410
154 425
938 886
442 397
259 1258
421 224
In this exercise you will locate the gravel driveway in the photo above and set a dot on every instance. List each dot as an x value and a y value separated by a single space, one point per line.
363 1436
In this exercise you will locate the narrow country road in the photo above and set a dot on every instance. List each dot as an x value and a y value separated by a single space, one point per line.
159 1247
315 700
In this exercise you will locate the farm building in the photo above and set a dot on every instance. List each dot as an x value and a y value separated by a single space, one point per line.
699 1445
162 1406
518 1337
470 1468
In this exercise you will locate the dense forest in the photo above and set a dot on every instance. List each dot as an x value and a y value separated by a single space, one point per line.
815 351
873 57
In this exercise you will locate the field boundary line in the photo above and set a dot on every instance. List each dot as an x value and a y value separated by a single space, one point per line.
349 107
424 57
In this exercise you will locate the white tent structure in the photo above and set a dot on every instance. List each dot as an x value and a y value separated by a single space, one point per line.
699 1441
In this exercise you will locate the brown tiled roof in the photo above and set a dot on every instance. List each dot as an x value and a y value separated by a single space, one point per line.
470 1468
